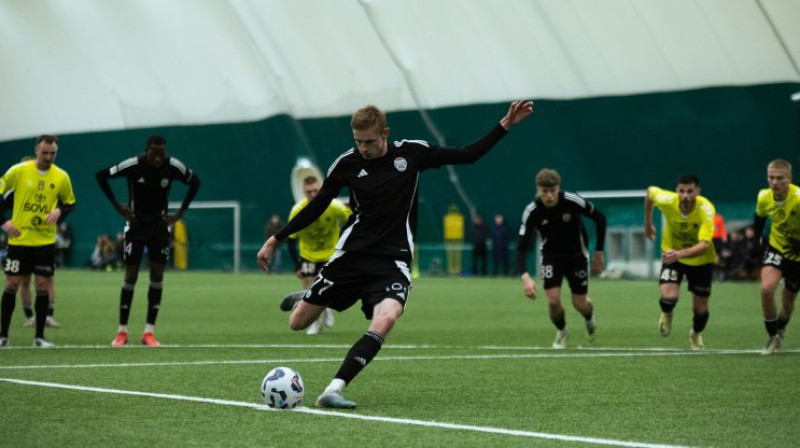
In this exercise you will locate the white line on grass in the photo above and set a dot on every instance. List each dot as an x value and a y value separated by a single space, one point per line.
563 355
387 347
305 410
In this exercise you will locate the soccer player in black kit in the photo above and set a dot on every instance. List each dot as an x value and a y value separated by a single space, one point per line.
374 250
147 222
557 215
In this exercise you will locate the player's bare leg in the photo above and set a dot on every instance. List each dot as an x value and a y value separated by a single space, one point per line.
584 305
304 314
557 317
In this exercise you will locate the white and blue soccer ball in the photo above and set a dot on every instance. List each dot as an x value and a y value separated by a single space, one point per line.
282 388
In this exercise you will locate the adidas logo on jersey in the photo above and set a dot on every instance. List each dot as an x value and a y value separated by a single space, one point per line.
141 180
362 173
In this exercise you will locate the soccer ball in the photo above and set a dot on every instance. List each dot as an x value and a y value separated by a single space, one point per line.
282 388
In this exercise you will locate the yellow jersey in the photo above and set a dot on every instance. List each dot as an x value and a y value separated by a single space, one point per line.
36 194
785 219
318 241
682 232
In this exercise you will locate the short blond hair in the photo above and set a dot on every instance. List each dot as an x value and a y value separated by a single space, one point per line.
548 178
780 163
369 117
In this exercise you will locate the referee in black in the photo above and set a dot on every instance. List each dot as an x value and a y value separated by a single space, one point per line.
557 215
374 250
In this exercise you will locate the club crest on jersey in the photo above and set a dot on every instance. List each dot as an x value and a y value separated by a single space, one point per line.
401 164
164 182
566 217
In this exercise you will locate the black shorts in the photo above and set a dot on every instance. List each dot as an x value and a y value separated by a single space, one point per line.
310 268
789 268
155 237
26 260
699 277
575 267
353 276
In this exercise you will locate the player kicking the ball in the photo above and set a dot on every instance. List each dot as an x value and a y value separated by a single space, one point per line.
374 251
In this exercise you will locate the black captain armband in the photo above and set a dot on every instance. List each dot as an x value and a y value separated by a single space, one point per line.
66 209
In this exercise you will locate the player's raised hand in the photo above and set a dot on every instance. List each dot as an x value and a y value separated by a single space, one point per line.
265 253
517 111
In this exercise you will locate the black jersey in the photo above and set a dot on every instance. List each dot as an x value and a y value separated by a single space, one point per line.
561 228
148 185
383 193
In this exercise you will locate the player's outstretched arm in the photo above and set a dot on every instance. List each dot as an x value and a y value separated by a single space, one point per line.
517 111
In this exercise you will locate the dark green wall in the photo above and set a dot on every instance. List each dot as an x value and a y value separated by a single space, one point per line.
726 135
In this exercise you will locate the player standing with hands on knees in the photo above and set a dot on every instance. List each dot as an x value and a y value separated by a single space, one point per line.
147 222
373 254
557 215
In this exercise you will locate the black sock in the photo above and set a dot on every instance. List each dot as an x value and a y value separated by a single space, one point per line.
7 304
28 311
153 302
772 326
51 309
42 301
125 301
667 304
360 355
699 322
559 321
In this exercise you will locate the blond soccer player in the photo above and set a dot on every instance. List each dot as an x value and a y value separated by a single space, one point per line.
781 204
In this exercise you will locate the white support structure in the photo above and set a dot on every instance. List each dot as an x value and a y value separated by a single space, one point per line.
237 221
612 194
646 267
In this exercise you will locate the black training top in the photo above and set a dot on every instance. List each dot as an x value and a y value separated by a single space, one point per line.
383 193
561 227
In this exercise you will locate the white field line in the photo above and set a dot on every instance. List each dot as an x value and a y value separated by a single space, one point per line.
386 347
305 410
550 355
